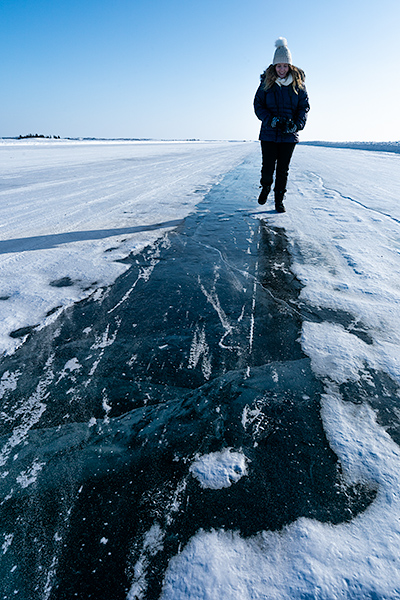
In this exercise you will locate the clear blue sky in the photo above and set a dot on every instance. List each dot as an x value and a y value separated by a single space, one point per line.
185 69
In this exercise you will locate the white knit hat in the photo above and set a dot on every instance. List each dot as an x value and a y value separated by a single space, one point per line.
282 52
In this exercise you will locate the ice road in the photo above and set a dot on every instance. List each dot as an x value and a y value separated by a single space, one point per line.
222 421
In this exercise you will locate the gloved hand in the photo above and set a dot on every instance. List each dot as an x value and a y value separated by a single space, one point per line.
291 126
283 124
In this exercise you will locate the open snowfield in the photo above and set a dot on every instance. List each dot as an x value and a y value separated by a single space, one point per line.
71 211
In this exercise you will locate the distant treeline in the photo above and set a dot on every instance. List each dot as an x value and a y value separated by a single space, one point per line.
376 146
38 135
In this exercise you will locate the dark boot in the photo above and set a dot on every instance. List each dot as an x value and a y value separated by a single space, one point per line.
262 198
279 202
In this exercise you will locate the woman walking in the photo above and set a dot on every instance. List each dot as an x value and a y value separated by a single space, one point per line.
281 104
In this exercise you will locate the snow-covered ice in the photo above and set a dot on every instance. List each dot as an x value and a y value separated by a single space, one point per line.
307 558
343 224
71 211
219 469
345 229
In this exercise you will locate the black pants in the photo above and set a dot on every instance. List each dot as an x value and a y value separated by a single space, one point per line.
279 154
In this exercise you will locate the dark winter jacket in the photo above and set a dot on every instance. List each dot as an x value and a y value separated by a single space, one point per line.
280 101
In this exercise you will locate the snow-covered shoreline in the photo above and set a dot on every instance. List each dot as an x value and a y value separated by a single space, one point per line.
53 141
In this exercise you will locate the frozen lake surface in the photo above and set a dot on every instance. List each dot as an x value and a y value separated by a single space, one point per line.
217 414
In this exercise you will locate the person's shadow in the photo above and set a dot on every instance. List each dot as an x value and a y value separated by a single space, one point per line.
45 242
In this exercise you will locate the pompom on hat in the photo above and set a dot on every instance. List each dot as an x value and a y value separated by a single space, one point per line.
282 52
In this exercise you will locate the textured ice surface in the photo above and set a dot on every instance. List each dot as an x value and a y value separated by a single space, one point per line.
70 211
244 346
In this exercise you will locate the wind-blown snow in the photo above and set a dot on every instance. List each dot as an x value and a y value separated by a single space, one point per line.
153 542
69 211
219 469
344 221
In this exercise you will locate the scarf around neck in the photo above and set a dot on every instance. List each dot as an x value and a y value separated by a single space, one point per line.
286 81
